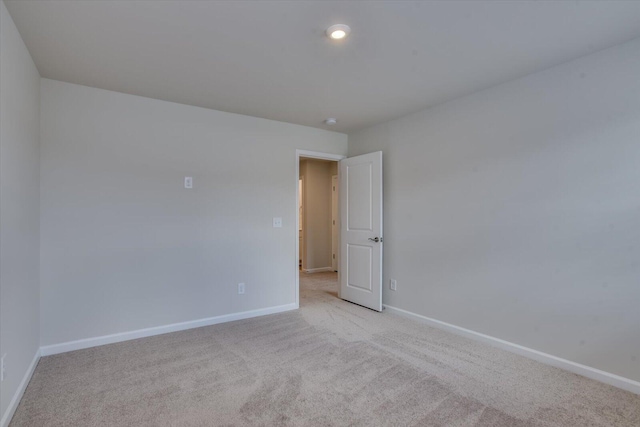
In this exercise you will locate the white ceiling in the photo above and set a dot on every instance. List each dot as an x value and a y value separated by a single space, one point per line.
271 59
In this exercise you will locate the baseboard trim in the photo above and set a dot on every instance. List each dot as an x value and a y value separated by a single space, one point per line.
159 330
548 359
15 401
318 270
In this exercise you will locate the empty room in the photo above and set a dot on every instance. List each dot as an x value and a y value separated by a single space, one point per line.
319 213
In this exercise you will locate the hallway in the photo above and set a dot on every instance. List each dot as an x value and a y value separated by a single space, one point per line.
318 287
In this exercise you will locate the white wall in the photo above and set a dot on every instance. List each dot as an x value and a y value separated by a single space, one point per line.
125 246
19 208
515 212
316 210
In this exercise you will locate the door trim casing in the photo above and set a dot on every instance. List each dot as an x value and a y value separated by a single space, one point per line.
309 155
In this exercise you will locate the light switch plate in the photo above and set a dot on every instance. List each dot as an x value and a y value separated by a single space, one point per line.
188 182
277 222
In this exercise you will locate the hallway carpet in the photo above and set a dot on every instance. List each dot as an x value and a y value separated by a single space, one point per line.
331 363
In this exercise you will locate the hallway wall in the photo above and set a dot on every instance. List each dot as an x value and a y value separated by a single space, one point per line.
316 176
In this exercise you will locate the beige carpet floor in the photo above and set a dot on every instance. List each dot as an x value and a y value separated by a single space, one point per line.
330 363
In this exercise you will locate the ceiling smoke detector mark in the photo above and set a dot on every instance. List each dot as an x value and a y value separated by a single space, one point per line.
330 121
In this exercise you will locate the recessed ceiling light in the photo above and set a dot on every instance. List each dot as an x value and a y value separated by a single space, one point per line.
338 31
331 121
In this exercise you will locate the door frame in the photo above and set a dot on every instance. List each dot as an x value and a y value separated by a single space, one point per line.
309 155
335 222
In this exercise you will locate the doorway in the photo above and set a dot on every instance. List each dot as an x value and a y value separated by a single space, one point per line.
316 208
318 237
360 207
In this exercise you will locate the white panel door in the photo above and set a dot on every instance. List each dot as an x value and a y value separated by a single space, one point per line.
361 230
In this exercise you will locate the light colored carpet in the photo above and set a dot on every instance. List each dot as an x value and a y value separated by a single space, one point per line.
329 363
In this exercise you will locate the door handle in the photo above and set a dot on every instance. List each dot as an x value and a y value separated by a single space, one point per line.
375 239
